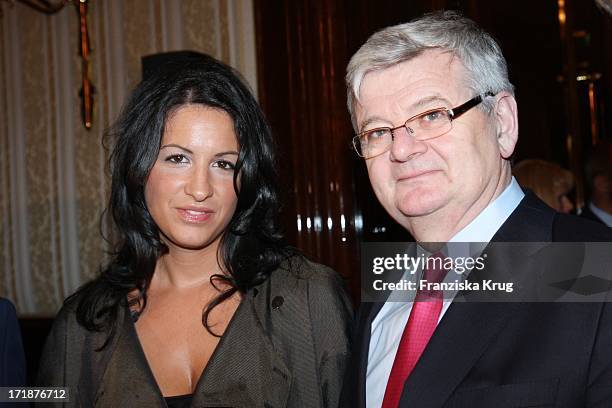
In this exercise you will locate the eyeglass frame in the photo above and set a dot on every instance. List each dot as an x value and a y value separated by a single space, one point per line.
453 113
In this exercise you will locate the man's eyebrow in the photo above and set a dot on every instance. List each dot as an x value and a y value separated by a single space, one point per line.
428 100
414 107
177 146
369 120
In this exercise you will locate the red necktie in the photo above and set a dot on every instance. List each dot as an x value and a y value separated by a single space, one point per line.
419 329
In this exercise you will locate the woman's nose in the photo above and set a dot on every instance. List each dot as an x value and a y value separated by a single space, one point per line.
198 186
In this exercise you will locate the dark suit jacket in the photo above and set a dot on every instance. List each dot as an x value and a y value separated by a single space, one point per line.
12 360
286 346
590 215
508 354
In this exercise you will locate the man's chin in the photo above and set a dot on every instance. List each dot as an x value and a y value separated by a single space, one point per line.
419 207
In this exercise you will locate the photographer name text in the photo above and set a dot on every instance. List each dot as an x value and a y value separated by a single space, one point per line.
424 285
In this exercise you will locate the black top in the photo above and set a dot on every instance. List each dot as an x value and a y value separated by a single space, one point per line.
179 401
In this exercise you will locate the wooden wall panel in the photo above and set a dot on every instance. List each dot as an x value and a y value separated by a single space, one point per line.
300 71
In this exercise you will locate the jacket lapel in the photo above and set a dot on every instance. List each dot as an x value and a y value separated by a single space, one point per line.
245 370
462 336
354 390
467 329
127 376
532 221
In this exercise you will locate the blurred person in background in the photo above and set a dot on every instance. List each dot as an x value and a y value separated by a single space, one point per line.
599 179
547 180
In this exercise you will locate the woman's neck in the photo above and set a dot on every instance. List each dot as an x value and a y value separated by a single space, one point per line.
183 268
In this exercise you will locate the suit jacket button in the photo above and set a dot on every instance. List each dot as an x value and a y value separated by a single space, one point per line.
277 302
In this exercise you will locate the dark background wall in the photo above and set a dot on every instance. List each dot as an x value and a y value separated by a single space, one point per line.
304 46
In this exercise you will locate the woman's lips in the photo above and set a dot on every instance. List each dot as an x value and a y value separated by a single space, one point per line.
194 216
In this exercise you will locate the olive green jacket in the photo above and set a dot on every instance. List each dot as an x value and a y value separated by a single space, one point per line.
286 346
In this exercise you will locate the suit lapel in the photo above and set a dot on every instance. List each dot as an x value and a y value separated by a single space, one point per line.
354 388
467 329
356 374
532 221
462 336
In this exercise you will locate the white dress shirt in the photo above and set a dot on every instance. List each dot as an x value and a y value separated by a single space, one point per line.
604 216
388 326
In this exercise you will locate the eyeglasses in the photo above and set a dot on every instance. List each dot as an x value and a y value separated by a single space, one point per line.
424 126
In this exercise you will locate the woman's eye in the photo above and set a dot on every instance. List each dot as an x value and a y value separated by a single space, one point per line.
224 165
177 158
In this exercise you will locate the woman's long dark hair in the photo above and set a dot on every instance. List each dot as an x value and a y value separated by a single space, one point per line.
251 247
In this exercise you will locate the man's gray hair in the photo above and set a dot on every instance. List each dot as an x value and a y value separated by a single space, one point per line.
447 31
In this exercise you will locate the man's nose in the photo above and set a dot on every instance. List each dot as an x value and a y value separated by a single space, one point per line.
404 145
198 186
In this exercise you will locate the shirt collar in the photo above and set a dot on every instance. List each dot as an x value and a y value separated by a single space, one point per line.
604 216
485 225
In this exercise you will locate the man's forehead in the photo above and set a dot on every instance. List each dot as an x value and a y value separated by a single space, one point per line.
433 78
431 65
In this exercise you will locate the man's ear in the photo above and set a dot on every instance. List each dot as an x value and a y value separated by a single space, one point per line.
506 119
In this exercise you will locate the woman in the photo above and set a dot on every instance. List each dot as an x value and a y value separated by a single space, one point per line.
203 304
547 180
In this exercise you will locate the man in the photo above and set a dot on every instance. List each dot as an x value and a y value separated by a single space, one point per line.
599 177
436 122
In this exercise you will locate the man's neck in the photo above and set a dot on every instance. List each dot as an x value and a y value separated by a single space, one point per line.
441 226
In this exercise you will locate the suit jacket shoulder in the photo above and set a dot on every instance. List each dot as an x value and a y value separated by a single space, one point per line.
534 221
571 228
75 357
12 359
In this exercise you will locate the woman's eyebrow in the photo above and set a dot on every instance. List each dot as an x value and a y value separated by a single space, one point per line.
226 153
177 146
